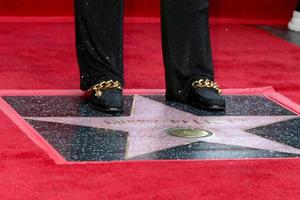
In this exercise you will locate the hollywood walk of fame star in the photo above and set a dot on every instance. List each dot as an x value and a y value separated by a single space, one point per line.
150 119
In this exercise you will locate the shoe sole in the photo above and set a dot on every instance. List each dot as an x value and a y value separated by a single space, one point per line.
207 107
201 106
107 110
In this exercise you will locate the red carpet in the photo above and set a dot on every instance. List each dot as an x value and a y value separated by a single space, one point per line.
42 56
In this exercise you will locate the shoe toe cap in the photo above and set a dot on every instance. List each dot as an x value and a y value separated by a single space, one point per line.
109 100
207 98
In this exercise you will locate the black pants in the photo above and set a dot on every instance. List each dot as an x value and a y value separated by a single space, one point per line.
185 39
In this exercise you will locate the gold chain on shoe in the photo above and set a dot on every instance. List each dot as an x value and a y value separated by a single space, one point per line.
104 85
206 83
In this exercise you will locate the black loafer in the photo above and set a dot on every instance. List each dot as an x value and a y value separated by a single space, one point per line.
206 98
203 94
106 96
111 100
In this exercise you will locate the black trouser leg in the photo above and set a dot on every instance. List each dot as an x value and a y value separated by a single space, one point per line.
186 44
185 35
99 40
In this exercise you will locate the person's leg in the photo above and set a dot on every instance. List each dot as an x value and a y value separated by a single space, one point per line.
99 40
294 24
186 47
